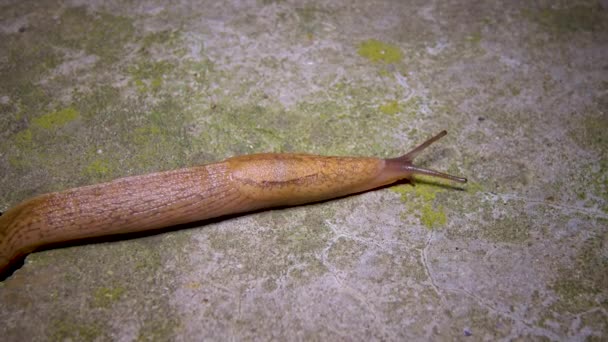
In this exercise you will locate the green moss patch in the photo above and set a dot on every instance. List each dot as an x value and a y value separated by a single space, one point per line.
380 52
23 139
421 200
474 187
98 169
56 119
391 107
432 218
427 192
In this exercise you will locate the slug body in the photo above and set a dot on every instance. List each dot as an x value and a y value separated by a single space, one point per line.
164 199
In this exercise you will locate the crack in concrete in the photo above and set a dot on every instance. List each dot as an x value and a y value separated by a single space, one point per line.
423 255
356 294
479 300
483 303
367 242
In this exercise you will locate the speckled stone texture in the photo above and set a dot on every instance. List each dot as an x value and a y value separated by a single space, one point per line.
95 90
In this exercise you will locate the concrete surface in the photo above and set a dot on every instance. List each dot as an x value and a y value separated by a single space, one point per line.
95 90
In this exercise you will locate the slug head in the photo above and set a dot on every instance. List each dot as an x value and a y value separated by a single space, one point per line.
403 167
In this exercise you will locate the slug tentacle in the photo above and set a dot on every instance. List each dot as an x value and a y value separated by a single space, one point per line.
428 172
416 151
404 167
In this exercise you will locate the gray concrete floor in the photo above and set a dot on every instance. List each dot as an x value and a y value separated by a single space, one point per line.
95 90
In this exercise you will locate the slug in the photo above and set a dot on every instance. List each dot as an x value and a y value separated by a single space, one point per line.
158 200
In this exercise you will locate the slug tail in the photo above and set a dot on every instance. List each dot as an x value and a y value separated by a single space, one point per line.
405 162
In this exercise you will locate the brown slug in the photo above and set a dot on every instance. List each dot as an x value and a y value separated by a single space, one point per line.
164 199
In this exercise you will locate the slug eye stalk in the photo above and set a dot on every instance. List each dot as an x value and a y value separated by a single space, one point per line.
406 165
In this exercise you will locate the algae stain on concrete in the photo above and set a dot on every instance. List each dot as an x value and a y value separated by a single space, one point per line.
582 285
104 297
311 20
474 38
380 52
23 139
432 218
310 238
26 147
591 132
158 329
427 192
56 119
159 138
68 330
28 59
508 230
97 33
148 76
309 269
573 19
391 107
474 187
345 253
98 169
421 197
